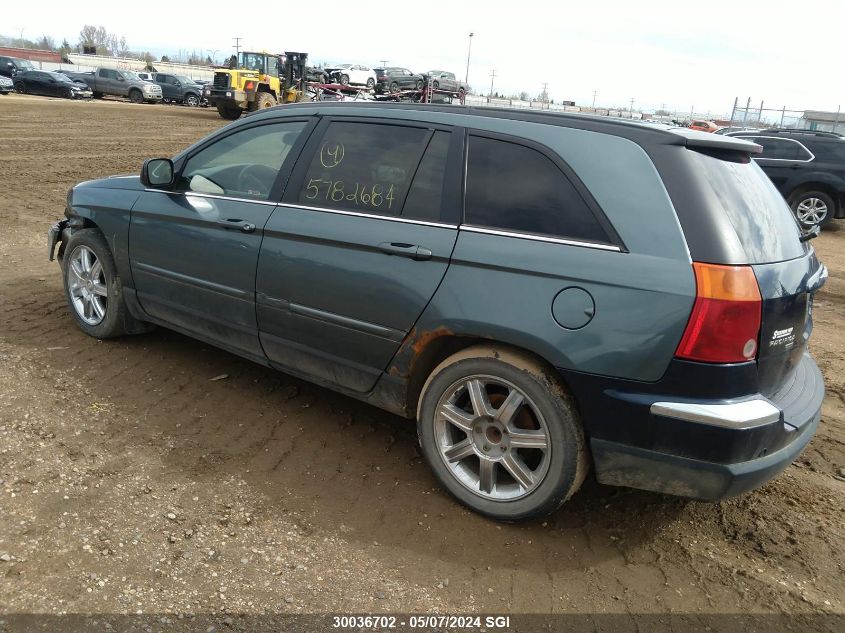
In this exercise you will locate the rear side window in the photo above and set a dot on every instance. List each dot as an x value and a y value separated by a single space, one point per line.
781 149
512 187
760 216
365 167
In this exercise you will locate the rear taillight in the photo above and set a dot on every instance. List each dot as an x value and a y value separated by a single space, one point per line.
725 322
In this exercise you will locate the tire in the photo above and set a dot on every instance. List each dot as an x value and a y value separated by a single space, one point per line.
394 87
115 319
192 100
68 94
370 83
419 85
97 95
136 96
20 87
813 208
262 100
230 114
436 84
344 80
550 475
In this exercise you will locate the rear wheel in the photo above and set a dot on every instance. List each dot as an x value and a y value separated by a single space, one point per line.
436 84
501 434
419 85
371 83
229 113
394 87
813 208
135 96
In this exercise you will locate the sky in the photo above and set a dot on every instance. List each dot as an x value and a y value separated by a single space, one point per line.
683 55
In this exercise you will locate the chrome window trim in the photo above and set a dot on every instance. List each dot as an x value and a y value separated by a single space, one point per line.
289 205
736 415
540 238
197 194
783 160
372 216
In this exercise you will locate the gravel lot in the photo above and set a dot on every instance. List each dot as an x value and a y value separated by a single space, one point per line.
131 481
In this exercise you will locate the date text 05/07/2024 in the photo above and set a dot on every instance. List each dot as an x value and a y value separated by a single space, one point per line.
421 621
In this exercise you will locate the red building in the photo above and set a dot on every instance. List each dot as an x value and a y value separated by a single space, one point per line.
32 54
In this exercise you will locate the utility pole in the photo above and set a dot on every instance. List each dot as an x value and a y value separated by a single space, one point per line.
384 62
469 51
595 92
631 109
492 79
545 92
237 46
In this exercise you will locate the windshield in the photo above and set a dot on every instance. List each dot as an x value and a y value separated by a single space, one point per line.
184 80
131 76
763 221
62 78
24 64
252 61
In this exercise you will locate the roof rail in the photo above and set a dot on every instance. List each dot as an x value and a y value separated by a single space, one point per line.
819 133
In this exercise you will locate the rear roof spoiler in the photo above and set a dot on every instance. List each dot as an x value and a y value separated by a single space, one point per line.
706 140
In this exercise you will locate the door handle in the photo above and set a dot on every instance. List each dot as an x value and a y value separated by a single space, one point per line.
236 224
413 251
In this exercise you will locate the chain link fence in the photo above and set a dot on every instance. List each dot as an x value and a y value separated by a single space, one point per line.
759 116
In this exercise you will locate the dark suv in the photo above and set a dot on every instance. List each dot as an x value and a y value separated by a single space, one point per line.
179 89
541 292
394 79
808 168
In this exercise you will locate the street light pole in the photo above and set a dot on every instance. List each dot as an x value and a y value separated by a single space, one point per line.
469 51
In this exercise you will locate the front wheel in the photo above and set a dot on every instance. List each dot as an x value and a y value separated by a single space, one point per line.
501 434
344 80
371 83
192 101
394 87
135 96
229 113
20 88
419 85
813 208
93 288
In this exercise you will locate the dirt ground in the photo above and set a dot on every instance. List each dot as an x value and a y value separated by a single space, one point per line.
132 482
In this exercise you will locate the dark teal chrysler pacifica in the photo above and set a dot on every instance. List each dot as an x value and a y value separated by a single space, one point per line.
544 293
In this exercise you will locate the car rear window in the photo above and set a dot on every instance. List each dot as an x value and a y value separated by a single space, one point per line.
763 221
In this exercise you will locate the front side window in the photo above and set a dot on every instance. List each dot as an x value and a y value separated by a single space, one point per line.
244 164
366 167
512 187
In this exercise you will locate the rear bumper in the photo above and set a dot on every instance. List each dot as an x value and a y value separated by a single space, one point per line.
711 449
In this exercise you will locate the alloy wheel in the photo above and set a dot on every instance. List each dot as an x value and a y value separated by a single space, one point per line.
811 211
492 437
87 285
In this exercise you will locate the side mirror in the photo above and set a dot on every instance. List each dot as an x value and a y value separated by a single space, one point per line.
120 78
157 173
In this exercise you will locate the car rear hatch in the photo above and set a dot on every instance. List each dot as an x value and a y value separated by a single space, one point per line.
740 219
